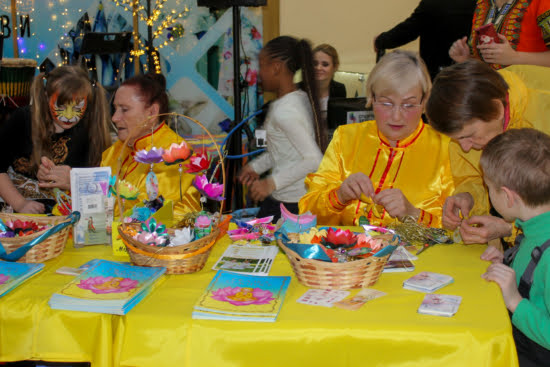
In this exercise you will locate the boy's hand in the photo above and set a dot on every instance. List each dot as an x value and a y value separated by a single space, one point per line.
460 51
461 202
260 189
396 204
247 175
486 228
505 277
493 255
353 186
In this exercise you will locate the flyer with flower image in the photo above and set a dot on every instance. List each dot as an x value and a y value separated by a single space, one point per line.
242 297
107 287
12 274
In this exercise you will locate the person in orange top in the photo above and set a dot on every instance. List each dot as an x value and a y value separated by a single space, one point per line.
388 169
523 28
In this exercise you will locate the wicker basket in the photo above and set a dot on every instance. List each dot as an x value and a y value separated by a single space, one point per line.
327 275
182 259
48 249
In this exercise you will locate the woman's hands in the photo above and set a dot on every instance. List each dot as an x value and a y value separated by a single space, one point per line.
498 53
259 189
393 200
49 175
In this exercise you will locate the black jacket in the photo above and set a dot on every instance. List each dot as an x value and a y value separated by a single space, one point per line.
438 23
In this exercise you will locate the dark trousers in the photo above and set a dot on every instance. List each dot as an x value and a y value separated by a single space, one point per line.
272 207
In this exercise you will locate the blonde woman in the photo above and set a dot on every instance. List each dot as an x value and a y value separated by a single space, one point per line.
393 167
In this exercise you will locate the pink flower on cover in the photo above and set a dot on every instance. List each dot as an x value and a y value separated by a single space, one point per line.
198 162
243 296
212 191
177 153
3 278
102 285
148 157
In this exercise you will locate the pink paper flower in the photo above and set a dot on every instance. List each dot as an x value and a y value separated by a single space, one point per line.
177 153
212 191
243 296
375 244
101 285
148 157
3 278
339 238
198 162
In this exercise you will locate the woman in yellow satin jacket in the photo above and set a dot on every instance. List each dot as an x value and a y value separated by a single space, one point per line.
390 168
138 98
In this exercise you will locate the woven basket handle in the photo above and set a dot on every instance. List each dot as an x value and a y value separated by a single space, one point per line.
21 251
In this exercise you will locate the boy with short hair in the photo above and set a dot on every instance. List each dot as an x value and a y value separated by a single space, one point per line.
516 169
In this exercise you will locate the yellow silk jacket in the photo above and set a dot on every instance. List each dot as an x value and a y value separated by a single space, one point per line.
528 107
168 176
419 166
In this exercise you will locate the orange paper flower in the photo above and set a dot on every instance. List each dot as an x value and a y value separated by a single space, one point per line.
177 153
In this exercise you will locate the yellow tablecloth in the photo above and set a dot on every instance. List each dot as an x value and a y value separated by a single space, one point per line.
159 331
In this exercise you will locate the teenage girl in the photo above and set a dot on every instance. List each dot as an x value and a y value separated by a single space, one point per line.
295 138
65 126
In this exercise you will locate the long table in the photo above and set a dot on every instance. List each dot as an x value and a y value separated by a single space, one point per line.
159 331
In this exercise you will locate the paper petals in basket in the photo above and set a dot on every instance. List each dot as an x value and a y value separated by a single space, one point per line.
177 153
198 162
125 190
243 296
297 223
212 191
337 238
151 239
152 156
23 228
182 237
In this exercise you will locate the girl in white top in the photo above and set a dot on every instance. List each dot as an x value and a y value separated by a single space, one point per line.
295 139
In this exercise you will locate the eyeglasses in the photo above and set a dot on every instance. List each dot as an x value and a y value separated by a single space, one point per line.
404 108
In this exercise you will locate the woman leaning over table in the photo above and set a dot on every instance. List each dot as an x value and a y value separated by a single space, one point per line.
393 167
137 99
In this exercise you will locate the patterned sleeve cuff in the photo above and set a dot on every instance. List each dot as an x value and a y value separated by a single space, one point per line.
425 218
334 201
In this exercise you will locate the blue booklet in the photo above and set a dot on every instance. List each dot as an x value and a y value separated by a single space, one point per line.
12 274
107 287
242 297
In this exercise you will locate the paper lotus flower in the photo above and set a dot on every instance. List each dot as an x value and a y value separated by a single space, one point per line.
243 296
3 278
182 237
151 238
374 243
177 153
198 162
212 191
102 285
23 228
152 156
125 190
339 238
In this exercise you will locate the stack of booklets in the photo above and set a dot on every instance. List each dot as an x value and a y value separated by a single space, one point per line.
251 259
12 274
427 282
107 287
242 297
440 305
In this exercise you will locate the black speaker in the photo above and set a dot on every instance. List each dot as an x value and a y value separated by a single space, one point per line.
220 4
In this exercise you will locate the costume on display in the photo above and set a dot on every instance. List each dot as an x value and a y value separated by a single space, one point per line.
419 166
527 108
69 147
292 151
531 319
523 22
168 175
438 24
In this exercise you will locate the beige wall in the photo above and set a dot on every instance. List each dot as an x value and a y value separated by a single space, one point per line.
349 25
